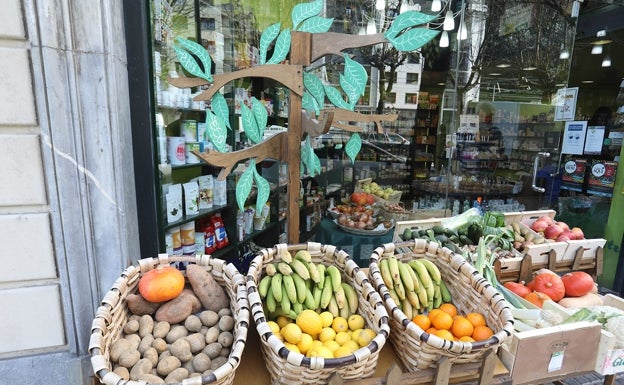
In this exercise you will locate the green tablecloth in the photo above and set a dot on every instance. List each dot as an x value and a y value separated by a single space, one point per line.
359 247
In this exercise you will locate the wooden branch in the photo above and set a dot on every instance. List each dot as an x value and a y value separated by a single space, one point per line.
271 148
341 114
315 127
287 74
334 43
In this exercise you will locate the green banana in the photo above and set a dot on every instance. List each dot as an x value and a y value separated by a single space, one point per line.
399 289
285 256
271 304
422 294
408 283
333 307
303 255
437 297
300 285
300 268
425 278
297 307
285 302
309 302
446 294
394 296
352 298
291 290
317 292
334 275
433 270
263 286
407 308
270 269
326 295
384 269
344 312
415 279
276 286
321 270
313 271
284 268
412 297
393 265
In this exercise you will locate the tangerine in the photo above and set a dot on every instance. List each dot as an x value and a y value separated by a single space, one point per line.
476 319
449 308
422 321
433 313
431 330
462 327
467 339
482 333
442 321
445 334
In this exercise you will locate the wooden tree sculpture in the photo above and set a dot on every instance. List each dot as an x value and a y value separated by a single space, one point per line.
292 50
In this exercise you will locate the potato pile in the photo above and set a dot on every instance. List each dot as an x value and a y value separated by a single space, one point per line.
187 336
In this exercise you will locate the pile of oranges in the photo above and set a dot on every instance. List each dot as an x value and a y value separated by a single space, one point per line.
446 323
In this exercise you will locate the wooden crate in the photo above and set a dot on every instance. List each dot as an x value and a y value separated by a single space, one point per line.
608 359
418 224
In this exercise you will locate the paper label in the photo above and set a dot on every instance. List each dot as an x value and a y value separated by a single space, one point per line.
556 361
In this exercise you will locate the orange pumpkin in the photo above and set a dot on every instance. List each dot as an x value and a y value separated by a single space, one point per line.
549 284
161 284
537 298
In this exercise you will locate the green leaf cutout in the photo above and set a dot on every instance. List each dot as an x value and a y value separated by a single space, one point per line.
249 124
282 46
316 164
219 106
314 85
264 189
352 93
407 20
307 155
243 187
260 115
412 39
268 35
316 24
309 104
336 98
189 63
355 73
216 131
305 11
353 146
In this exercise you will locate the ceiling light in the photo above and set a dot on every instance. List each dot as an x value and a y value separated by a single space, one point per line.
371 29
495 74
564 54
529 67
462 33
436 5
587 81
606 62
596 49
503 65
441 84
380 5
449 21
444 39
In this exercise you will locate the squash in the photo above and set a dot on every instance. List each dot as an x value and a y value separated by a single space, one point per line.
549 284
161 284
589 299
577 283
517 288
537 298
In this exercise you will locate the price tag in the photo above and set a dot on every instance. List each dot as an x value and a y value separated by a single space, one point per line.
556 361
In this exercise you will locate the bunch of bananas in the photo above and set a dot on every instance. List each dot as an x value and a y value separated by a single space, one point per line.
297 283
415 286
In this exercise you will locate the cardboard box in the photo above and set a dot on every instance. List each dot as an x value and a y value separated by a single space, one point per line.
540 355
608 359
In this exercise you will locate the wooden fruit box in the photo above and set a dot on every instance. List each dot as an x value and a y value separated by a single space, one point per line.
590 247
608 359
543 355
418 224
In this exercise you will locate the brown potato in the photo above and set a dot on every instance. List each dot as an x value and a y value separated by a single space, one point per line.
209 292
140 306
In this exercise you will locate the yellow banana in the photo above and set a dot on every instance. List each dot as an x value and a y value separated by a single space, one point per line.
270 269
334 274
263 286
384 269
313 271
393 265
352 298
408 283
424 276
341 298
285 256
276 286
415 279
422 294
399 289
433 270
291 290
412 297
394 296
284 268
406 306
301 287
344 312
300 268
333 307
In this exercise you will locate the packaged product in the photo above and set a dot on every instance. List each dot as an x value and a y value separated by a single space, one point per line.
174 203
220 192
206 191
191 197
221 237
210 245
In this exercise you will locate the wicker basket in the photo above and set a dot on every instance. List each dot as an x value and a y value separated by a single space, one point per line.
113 313
287 367
471 293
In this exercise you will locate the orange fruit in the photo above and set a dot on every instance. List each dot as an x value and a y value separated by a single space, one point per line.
461 327
431 330
445 334
467 339
449 308
476 319
433 313
482 333
443 321
422 321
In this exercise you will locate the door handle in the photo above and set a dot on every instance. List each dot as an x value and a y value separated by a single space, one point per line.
535 167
